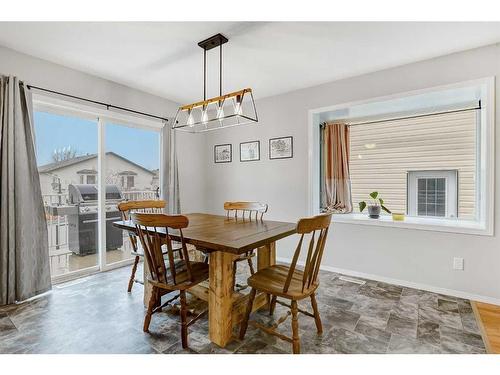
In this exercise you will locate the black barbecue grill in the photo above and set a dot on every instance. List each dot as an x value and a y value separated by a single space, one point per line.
83 221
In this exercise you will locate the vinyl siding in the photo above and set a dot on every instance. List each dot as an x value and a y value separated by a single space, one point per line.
436 142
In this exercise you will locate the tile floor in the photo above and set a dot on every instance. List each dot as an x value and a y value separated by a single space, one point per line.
97 315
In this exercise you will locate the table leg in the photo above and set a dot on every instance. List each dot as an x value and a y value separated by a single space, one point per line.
266 256
220 297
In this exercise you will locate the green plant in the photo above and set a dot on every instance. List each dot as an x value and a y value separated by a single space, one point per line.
375 201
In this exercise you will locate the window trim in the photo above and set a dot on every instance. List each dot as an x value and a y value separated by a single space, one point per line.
67 107
484 225
412 222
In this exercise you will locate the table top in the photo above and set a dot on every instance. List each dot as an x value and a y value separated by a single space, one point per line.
220 233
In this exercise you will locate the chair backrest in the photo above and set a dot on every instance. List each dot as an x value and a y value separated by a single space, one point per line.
148 226
148 206
246 208
319 223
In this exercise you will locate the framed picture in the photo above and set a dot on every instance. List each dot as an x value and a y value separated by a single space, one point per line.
281 148
223 153
250 151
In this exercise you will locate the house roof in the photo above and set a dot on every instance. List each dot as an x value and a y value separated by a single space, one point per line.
66 163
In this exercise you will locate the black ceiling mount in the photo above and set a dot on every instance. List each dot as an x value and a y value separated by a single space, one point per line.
212 42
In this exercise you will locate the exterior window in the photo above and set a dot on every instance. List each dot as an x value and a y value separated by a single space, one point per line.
91 179
431 197
130 182
87 176
127 181
432 193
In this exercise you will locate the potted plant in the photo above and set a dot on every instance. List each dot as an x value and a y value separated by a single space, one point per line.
374 206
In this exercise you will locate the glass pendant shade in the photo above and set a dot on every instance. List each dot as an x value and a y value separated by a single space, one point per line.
190 120
204 115
236 108
220 111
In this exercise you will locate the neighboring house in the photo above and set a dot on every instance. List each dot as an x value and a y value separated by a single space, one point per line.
127 175
156 178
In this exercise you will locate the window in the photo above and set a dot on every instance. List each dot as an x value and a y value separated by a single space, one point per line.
433 193
413 163
88 176
132 156
431 197
429 154
127 182
72 235
130 182
91 179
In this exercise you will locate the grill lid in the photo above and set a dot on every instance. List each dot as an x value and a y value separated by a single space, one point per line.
80 193
112 192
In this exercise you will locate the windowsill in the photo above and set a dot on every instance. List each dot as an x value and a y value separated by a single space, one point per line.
419 223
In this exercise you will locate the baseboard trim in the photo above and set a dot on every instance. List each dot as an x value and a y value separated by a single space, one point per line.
408 284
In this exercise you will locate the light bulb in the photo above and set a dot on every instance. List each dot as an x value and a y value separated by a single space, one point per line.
220 112
190 120
237 105
204 115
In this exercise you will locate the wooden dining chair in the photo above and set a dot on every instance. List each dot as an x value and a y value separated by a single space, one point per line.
292 284
145 206
180 275
245 211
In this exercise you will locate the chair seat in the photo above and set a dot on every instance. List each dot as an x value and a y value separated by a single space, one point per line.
272 280
199 271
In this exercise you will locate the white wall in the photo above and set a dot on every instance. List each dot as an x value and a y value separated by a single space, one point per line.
406 256
45 74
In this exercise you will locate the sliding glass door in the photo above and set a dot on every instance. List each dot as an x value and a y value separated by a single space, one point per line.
132 168
67 152
72 150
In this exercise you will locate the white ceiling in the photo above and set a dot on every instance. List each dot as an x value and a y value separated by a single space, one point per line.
272 58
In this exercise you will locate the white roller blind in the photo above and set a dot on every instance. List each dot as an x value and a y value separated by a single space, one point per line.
382 153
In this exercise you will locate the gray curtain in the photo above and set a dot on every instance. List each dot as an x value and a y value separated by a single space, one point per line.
169 173
24 253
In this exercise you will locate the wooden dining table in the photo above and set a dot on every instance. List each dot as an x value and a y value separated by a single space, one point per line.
224 239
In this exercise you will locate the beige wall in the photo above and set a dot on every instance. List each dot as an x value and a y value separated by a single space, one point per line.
382 154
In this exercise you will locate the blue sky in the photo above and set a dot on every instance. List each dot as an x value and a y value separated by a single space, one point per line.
55 132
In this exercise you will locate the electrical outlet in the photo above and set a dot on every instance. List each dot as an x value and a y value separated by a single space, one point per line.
458 264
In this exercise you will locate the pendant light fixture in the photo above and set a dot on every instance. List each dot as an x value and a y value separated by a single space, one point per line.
235 108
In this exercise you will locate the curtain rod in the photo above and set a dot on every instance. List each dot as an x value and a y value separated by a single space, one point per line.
405 117
108 106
